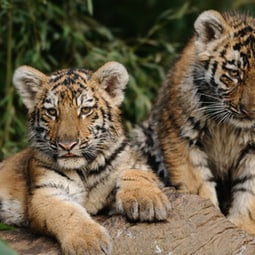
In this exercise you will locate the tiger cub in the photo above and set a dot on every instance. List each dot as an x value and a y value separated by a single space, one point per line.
200 135
78 162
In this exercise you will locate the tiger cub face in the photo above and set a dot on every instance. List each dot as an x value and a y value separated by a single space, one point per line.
225 66
73 113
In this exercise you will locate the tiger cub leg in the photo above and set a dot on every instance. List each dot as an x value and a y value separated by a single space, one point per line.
13 190
242 210
56 214
189 172
139 196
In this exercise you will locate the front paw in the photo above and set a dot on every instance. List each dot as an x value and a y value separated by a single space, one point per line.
140 198
87 239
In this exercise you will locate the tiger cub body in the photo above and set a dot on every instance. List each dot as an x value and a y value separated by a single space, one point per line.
78 162
200 135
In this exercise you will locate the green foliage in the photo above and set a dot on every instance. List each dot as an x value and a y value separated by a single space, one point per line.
6 227
146 36
5 249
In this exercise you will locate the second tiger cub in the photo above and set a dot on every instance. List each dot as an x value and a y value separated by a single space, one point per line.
200 135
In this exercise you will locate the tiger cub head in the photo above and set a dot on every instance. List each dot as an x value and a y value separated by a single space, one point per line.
225 66
73 113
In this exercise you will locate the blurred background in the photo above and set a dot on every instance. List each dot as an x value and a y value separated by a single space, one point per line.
145 35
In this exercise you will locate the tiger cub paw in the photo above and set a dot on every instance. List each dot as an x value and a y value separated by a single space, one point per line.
87 239
140 198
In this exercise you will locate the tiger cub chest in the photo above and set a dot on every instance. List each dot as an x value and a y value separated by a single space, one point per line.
224 146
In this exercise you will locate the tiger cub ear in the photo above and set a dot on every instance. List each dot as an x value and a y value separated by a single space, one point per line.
28 81
210 25
113 78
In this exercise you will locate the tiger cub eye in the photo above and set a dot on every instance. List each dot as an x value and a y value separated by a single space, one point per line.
52 112
86 110
234 74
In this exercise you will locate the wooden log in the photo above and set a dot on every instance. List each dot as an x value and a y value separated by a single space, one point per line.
194 226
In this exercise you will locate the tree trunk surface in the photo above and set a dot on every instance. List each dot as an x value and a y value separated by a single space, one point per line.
194 226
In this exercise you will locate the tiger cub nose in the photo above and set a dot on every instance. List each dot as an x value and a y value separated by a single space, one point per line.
67 145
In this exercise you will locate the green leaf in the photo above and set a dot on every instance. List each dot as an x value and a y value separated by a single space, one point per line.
90 6
6 227
5 249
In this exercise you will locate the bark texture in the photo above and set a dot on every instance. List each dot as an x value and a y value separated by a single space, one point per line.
194 226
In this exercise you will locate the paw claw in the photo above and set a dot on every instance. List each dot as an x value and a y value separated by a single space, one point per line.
144 206
87 241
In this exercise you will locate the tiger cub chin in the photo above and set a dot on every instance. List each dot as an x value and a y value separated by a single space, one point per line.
200 135
78 162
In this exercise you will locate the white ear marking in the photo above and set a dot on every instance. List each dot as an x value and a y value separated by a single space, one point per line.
113 77
209 25
28 81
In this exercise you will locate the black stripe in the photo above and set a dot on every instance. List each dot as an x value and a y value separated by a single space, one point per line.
245 58
195 123
81 175
95 184
224 193
58 187
242 189
109 160
70 71
224 65
214 68
102 111
152 159
109 113
56 78
190 141
86 72
51 185
56 85
250 215
242 180
238 46
82 86
250 148
196 126
225 79
68 81
174 124
223 52
43 165
206 64
243 31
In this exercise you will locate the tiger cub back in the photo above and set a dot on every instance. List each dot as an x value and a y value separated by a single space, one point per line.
78 162
200 135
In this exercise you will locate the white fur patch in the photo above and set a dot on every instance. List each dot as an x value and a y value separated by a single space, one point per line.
12 212
72 162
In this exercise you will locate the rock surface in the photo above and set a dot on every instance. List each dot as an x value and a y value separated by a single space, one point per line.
194 226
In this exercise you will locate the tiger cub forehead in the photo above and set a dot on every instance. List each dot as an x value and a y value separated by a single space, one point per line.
70 85
237 20
70 76
76 80
107 82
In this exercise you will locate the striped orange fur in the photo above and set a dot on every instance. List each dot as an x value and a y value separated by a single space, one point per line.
79 161
200 135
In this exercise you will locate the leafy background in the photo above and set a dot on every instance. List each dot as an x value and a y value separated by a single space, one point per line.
145 35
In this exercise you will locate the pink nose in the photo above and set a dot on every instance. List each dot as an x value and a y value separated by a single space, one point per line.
67 145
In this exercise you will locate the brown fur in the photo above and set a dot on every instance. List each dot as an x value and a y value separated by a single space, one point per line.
200 135
78 162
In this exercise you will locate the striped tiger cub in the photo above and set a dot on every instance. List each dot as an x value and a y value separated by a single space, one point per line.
78 162
200 135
